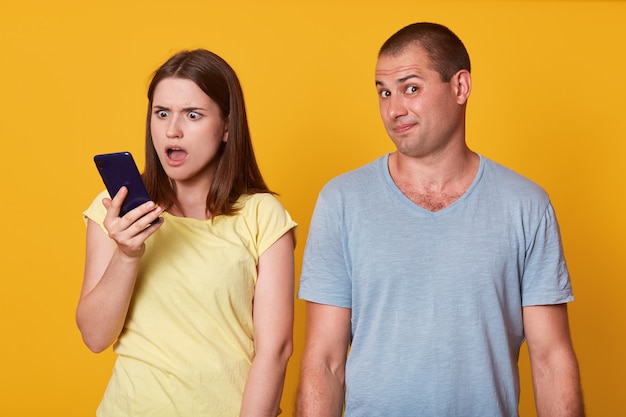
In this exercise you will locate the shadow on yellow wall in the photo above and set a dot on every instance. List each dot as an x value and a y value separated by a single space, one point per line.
547 101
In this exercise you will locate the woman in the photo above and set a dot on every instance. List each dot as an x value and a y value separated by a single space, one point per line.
199 306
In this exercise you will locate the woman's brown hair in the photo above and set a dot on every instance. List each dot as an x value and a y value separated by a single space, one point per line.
237 172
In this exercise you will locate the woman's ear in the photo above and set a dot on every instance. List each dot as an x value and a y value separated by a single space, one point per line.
225 134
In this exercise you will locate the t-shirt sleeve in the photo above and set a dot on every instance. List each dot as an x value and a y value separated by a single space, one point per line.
546 278
96 211
271 221
325 277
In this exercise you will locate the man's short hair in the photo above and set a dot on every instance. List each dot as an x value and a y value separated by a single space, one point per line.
445 50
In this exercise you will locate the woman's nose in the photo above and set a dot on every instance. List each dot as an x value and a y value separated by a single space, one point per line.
174 129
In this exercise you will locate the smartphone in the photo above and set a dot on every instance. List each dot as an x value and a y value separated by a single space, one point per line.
117 170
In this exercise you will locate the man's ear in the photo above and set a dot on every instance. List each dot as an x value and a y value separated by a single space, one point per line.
462 85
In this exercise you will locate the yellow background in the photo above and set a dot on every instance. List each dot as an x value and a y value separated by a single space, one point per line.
548 101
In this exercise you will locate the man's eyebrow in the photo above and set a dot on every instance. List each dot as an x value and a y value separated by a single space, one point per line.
400 80
408 77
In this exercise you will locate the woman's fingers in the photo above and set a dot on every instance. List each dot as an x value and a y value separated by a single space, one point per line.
131 230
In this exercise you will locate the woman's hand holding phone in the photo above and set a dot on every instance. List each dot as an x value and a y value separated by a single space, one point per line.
131 230
131 215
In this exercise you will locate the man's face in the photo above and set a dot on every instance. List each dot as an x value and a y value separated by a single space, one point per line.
422 114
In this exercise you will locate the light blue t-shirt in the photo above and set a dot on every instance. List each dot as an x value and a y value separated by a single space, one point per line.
436 297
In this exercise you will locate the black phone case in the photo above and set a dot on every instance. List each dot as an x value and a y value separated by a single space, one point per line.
117 170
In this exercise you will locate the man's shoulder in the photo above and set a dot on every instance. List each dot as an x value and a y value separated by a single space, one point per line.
511 180
358 177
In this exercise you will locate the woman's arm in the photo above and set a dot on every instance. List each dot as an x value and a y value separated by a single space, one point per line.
273 329
111 264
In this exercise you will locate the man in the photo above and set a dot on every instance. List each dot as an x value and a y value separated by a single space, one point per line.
432 264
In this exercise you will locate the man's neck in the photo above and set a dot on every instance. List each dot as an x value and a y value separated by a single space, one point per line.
434 183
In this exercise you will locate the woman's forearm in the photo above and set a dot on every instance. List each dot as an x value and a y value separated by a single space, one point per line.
101 312
264 386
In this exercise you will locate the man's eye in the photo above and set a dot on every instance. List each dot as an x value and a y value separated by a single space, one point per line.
411 89
384 93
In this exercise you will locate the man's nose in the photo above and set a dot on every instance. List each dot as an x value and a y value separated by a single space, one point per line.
396 107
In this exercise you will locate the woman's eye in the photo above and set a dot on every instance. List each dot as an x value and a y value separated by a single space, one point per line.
194 115
161 113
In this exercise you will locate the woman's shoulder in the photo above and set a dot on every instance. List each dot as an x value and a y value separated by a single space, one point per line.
259 201
96 210
264 209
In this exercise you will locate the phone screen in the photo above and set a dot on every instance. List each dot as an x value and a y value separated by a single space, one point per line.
117 170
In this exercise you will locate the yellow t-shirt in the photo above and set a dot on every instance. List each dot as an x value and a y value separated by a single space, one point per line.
187 343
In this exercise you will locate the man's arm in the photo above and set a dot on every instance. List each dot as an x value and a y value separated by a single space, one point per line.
555 374
322 374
